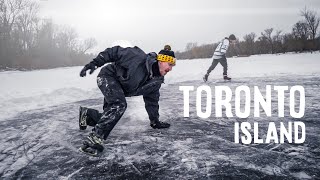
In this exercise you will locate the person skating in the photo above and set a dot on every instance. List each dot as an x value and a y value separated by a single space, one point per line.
131 72
219 56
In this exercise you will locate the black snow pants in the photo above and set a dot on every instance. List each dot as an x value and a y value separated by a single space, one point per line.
113 108
222 61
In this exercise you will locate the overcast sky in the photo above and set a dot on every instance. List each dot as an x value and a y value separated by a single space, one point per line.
150 24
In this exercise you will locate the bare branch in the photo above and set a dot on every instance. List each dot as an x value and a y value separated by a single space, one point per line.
312 21
89 44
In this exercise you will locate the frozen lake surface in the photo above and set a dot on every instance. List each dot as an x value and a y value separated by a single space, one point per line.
40 136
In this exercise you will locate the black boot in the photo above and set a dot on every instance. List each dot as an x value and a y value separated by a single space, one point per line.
159 125
83 118
205 77
225 77
93 146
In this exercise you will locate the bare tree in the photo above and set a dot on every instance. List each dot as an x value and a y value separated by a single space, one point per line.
2 9
10 10
277 39
249 43
88 44
267 35
26 41
66 38
45 34
312 21
300 34
277 36
27 23
300 30
250 37
190 45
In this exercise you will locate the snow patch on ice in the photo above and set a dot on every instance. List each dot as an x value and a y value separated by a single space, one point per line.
301 175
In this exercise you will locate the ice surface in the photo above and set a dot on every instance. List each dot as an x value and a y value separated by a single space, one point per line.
40 136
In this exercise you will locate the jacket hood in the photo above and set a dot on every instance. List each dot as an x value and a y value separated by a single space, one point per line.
151 58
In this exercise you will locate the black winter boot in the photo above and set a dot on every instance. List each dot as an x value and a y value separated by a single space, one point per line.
159 125
93 146
225 77
83 118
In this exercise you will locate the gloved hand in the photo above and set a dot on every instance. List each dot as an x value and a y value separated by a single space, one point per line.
87 67
159 125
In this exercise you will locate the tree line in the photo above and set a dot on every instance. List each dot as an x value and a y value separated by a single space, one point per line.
29 42
302 38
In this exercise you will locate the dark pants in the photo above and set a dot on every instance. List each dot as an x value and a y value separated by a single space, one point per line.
222 61
113 108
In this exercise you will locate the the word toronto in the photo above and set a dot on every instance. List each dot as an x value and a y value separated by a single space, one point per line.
240 99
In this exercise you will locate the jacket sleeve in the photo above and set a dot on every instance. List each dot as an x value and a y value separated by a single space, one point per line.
151 101
107 56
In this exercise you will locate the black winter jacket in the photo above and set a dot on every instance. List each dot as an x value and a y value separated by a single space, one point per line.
132 67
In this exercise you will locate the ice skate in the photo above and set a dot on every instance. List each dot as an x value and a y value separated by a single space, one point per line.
83 118
93 146
225 77
159 125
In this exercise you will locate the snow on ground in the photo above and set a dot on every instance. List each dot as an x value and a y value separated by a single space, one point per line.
23 91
